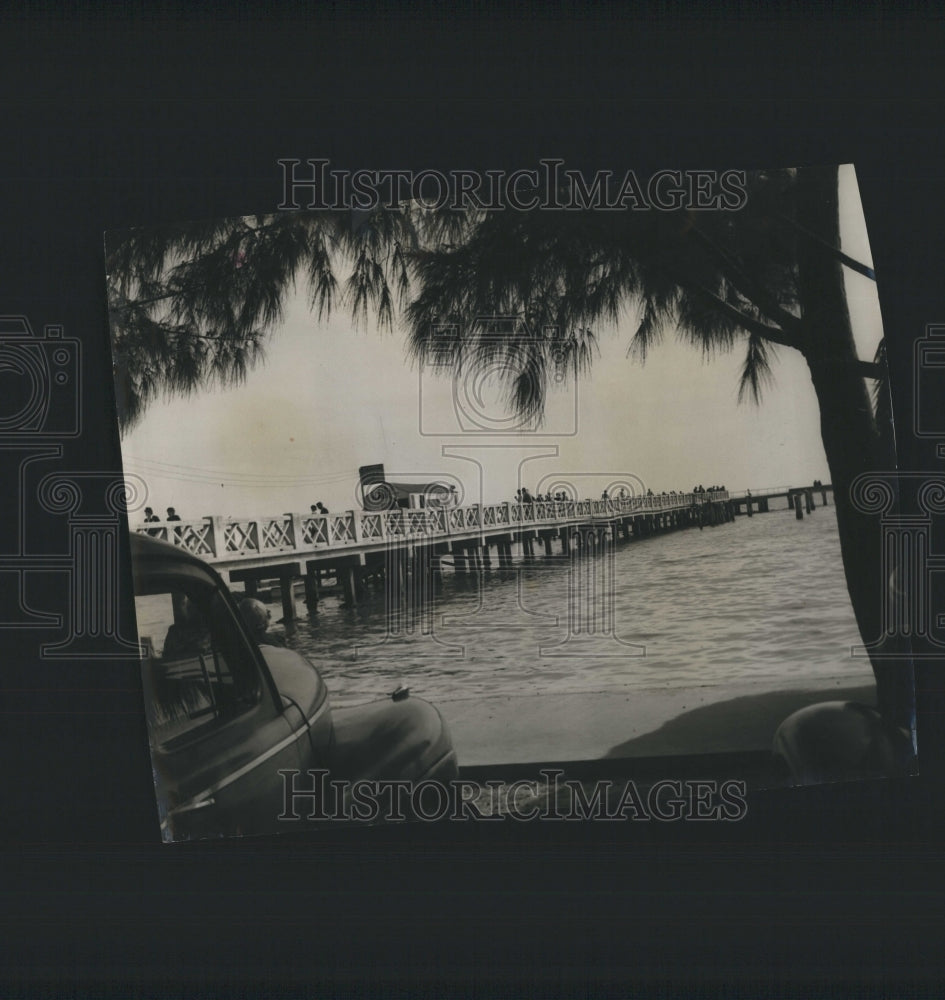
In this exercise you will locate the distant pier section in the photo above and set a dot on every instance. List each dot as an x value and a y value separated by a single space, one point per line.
800 499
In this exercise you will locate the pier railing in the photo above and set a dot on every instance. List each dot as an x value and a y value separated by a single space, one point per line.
219 539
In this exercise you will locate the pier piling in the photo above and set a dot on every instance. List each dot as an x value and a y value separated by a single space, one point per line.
311 587
288 598
349 585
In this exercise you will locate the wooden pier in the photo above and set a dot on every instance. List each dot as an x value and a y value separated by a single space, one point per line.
406 546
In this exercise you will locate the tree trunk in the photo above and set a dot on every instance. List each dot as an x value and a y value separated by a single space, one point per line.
848 428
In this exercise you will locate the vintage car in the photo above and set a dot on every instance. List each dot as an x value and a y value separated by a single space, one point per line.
226 714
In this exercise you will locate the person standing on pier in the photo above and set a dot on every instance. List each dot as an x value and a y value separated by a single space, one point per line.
149 518
172 515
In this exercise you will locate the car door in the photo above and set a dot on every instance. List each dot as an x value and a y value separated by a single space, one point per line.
219 732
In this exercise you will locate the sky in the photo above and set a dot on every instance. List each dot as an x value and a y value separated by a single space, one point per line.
331 397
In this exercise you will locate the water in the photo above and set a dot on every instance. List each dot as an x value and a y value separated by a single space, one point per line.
761 599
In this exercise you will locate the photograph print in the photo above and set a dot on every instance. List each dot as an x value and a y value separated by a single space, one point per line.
467 494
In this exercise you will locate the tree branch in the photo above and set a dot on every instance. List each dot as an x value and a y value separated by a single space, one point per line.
854 265
772 333
871 369
745 284
152 300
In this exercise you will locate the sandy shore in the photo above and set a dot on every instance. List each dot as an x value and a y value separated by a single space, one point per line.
648 723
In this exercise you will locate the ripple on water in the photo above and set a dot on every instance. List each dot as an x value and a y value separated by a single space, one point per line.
761 599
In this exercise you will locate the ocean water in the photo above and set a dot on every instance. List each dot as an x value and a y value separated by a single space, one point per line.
761 599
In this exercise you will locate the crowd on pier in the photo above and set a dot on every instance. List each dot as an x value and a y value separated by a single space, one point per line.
522 495
150 517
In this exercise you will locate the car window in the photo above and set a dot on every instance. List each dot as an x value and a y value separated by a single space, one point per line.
198 672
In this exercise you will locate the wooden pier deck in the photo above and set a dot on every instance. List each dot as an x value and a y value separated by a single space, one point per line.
402 542
352 544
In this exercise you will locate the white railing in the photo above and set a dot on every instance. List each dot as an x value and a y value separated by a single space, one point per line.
220 539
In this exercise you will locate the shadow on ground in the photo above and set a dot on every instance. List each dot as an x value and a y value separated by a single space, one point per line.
749 720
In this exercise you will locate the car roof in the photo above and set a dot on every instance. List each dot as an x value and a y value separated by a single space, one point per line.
144 546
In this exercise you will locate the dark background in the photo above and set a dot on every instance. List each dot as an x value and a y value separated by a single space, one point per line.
139 118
